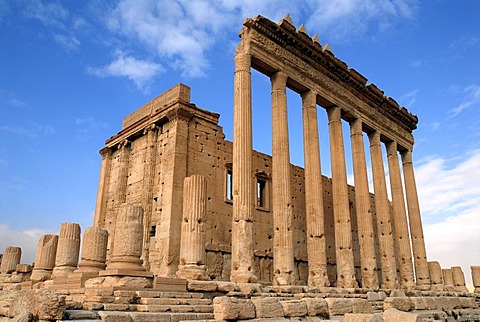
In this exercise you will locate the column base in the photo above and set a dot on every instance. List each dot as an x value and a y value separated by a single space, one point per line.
62 271
192 272
243 277
40 275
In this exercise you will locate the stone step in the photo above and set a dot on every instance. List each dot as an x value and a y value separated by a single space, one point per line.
173 301
179 295
174 308
81 315
153 317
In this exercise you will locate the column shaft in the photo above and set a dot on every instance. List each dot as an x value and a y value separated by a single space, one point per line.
101 203
435 273
447 274
400 224
316 244
476 278
192 245
122 177
94 250
10 260
45 258
382 210
68 250
243 204
459 279
341 209
283 261
415 219
366 233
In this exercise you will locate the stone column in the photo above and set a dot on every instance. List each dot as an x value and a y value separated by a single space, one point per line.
400 223
435 272
68 249
382 210
45 258
11 258
476 278
283 263
125 260
459 279
341 209
448 278
151 133
415 220
366 233
100 205
122 177
192 245
316 244
94 250
174 170
243 203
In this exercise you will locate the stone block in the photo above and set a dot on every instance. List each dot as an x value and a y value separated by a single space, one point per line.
361 306
114 316
81 315
43 304
229 308
373 296
293 308
417 303
397 293
363 317
394 315
24 268
339 306
223 286
268 307
399 303
317 307
201 286
249 288
382 295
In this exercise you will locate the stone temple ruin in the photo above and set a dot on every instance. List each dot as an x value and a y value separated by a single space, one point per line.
189 226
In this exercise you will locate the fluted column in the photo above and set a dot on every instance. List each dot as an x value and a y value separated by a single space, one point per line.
122 177
415 220
447 274
94 250
148 182
382 209
192 245
104 181
366 233
10 260
243 204
459 279
283 263
316 244
127 241
341 209
435 272
68 249
400 224
45 258
476 278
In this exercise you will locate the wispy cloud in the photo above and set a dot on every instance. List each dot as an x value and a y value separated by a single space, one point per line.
10 99
470 98
26 239
409 98
88 126
33 131
141 72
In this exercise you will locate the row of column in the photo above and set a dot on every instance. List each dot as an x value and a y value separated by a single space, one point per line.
392 230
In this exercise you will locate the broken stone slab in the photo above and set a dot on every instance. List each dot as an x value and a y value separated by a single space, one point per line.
317 307
363 317
399 303
394 315
269 307
119 281
43 304
294 308
201 286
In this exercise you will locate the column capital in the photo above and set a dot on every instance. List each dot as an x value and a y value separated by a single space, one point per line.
407 157
309 99
179 114
334 114
105 152
374 138
279 81
149 128
124 144
243 62
356 127
391 147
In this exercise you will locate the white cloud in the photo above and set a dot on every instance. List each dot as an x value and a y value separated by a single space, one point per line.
33 131
68 42
50 14
409 98
450 201
471 97
140 72
26 239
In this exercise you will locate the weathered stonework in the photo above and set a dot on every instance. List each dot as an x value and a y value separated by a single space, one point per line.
10 260
45 258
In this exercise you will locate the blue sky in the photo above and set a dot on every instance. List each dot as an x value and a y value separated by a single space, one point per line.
71 70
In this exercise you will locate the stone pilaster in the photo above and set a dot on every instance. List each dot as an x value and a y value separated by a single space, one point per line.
366 235
101 203
382 210
435 272
341 209
243 203
476 278
192 246
10 260
459 279
447 274
316 244
122 177
400 223
151 133
94 250
125 260
66 259
45 258
415 220
175 167
283 263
